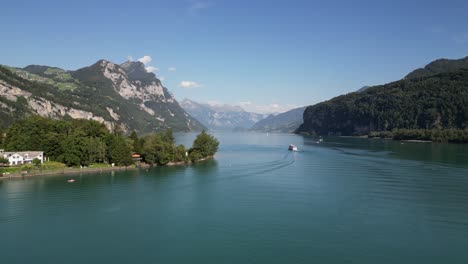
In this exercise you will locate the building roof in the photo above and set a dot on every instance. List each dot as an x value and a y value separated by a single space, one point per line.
30 154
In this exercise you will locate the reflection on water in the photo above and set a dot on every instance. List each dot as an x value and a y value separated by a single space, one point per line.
342 200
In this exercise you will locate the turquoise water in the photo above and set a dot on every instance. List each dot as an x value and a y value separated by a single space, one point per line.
346 200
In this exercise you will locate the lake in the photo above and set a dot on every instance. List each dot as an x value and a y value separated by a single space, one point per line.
345 200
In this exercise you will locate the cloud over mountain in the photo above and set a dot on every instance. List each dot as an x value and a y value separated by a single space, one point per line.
189 85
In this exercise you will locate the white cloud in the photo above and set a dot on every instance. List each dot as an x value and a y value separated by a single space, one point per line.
162 78
172 69
145 59
151 69
189 84
129 58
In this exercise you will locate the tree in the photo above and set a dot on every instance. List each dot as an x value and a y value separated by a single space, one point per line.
195 156
72 155
204 145
36 162
3 160
118 151
137 144
95 149
168 136
133 135
179 154
1 138
158 149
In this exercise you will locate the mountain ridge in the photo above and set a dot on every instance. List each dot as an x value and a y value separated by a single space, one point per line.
127 96
439 66
436 99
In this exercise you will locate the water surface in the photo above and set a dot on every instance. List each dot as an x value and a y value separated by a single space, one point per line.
345 200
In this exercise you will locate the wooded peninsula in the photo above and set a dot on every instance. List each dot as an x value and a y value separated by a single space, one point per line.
81 143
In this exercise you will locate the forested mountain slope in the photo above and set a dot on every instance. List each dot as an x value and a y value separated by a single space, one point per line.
437 101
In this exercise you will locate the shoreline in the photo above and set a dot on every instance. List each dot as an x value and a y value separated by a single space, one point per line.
71 171
365 136
66 171
416 141
179 163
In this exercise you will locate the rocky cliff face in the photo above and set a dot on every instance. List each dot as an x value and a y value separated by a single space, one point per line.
124 96
46 108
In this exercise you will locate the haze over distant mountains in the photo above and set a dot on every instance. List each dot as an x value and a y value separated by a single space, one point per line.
124 96
284 122
221 117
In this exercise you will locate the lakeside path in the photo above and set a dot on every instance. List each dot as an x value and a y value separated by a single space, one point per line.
70 171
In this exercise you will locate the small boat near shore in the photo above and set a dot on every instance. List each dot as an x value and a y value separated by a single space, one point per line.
71 180
292 147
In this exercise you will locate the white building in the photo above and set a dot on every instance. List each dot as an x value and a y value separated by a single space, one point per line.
22 157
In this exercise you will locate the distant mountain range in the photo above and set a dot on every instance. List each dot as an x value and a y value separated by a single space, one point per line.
285 122
434 97
221 117
124 96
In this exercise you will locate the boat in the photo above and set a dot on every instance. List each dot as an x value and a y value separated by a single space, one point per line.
292 147
71 180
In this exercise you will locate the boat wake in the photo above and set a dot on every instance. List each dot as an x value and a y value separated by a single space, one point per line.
240 171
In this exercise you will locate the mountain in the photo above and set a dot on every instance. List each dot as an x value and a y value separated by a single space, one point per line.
285 122
124 96
221 117
439 66
429 101
362 89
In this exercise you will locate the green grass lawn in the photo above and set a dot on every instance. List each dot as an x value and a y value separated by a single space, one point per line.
98 165
49 165
53 165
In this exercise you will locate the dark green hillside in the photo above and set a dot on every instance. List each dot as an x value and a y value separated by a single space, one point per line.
439 66
435 102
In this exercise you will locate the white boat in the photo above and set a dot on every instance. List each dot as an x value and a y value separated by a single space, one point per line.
292 147
71 180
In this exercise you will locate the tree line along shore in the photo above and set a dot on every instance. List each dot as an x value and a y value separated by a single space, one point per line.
89 144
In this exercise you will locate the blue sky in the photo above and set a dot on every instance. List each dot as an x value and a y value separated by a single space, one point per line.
265 55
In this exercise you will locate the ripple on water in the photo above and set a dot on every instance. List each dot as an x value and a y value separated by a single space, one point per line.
334 202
